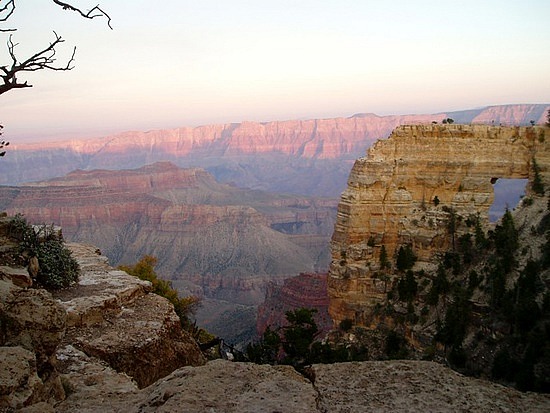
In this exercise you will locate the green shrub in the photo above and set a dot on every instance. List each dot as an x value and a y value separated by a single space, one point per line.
183 306
57 268
537 185
346 324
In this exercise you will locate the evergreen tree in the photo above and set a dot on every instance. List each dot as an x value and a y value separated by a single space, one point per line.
405 258
506 241
384 262
298 336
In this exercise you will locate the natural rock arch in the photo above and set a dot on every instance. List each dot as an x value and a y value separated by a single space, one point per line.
402 192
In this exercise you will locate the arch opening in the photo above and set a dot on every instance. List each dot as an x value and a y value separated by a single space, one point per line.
508 193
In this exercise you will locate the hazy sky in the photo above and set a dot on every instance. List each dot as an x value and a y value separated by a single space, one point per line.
176 63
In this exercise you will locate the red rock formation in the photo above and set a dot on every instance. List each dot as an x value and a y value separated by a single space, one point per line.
304 290
390 198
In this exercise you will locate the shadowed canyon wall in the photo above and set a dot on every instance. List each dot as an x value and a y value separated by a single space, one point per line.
405 191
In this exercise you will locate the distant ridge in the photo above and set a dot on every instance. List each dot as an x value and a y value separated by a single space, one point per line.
311 157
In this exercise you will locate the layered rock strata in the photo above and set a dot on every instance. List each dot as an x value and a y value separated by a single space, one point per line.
112 317
406 191
298 156
225 240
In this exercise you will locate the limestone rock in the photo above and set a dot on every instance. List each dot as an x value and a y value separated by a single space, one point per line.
33 320
90 382
19 276
19 380
389 386
222 386
145 341
398 193
114 317
414 386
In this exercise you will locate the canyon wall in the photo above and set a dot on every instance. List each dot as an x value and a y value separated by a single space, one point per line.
213 240
406 191
310 157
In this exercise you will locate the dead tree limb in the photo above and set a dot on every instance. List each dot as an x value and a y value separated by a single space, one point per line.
90 14
44 59
6 10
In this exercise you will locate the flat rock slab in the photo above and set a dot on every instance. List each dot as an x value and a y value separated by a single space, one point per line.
415 386
388 386
100 290
225 387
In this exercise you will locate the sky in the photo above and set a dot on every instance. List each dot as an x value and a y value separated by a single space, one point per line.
174 63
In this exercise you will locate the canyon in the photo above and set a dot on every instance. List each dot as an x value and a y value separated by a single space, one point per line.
212 240
97 347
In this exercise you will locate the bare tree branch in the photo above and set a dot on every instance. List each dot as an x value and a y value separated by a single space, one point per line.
44 59
91 14
6 11
3 143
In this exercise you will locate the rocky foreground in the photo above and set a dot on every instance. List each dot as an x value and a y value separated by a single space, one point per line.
109 345
392 386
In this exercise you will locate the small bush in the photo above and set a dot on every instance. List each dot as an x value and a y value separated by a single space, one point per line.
57 268
405 258
183 306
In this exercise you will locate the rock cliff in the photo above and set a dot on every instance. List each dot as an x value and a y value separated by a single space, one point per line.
406 191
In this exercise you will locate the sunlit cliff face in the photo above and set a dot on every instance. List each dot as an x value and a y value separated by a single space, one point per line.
401 194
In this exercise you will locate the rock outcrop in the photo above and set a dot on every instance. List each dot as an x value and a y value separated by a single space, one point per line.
112 317
108 327
405 191
393 386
